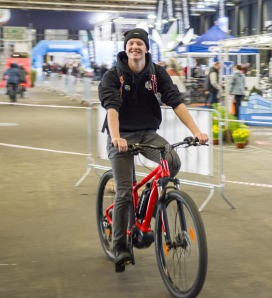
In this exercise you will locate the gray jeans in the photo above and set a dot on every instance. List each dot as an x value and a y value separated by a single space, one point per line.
122 167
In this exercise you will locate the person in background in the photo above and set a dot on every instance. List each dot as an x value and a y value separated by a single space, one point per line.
133 116
177 75
237 87
64 69
162 64
22 74
22 79
213 87
11 75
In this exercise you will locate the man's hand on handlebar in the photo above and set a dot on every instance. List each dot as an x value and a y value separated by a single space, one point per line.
202 137
120 143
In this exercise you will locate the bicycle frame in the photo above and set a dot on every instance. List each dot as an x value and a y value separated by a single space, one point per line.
161 171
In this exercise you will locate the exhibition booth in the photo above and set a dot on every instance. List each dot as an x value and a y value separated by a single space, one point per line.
208 46
257 110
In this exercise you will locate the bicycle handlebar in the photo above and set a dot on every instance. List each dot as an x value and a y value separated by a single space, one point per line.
188 141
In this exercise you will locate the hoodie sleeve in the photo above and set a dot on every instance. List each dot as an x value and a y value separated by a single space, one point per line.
170 94
108 90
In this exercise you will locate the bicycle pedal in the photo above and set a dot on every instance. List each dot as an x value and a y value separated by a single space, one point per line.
120 267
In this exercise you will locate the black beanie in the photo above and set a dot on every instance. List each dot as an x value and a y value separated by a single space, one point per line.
137 33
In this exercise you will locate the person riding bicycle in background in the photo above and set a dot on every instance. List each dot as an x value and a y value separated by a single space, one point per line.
12 76
127 92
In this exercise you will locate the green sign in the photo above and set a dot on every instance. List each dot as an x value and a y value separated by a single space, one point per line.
14 33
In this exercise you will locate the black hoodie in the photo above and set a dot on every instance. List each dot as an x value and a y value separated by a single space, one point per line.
138 108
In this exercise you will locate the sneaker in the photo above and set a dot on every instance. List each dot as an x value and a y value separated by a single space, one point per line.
121 258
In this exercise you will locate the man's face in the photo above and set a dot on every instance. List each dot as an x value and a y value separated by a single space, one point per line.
218 66
136 48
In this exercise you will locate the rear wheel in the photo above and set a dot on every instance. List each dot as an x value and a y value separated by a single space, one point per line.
182 258
105 198
12 92
21 92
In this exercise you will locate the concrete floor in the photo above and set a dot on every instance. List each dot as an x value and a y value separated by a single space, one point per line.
49 242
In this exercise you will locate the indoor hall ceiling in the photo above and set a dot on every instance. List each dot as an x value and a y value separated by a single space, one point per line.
135 7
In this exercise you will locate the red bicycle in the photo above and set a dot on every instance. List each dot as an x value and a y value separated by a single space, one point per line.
179 234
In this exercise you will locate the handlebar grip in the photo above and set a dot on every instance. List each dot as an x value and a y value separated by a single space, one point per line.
191 139
188 139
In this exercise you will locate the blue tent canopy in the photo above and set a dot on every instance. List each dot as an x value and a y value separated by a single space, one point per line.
209 43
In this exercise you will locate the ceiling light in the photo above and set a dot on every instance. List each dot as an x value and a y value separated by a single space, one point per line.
230 4
202 9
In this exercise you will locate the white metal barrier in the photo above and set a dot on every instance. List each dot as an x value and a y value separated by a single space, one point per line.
194 160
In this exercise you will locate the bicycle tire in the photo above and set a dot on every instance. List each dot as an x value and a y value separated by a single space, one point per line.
105 198
12 95
13 98
182 265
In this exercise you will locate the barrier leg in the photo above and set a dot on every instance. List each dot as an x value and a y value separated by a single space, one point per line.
85 175
226 199
203 205
89 158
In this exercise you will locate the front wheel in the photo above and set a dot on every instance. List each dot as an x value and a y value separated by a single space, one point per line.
180 243
105 199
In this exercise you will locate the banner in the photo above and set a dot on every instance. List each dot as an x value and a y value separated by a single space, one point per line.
185 10
170 9
155 51
14 33
159 12
91 46
221 5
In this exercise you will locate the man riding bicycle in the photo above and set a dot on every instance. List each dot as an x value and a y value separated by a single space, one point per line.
12 76
132 92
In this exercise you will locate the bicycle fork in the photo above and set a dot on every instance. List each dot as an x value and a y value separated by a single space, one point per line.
177 239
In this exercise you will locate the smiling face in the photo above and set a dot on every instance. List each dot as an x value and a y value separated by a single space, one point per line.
136 49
